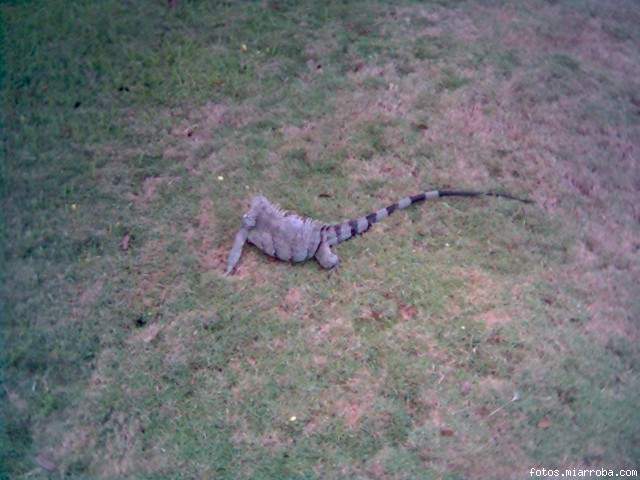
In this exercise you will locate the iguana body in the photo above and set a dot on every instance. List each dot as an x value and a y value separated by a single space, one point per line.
289 237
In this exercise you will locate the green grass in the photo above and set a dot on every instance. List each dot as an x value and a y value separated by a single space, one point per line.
133 136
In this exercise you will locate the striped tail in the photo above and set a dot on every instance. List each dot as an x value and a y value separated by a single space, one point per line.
344 231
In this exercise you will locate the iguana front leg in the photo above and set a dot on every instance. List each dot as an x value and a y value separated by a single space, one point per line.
326 257
236 251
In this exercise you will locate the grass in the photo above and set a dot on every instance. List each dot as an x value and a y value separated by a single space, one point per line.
133 136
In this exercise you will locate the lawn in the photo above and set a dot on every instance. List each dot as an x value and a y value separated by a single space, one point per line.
459 339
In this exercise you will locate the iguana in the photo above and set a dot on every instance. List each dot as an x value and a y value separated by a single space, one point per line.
290 237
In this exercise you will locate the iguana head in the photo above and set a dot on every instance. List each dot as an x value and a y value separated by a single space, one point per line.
248 220
258 204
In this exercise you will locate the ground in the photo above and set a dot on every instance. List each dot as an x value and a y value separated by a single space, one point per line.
462 339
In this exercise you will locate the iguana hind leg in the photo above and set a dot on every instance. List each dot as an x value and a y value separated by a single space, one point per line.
326 257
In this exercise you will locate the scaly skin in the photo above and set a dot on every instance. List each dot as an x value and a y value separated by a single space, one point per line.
290 237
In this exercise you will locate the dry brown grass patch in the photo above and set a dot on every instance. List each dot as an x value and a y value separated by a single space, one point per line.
501 387
147 334
331 330
356 399
87 299
200 128
539 137
494 318
480 290
19 403
292 300
149 190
